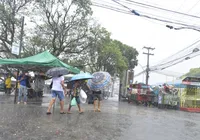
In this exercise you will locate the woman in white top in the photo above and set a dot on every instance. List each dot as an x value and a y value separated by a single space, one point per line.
57 90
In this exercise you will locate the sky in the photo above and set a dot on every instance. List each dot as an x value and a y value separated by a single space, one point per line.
139 32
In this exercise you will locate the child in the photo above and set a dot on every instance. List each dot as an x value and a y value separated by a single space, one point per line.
75 94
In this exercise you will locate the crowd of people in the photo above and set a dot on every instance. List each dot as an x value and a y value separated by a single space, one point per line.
59 90
24 86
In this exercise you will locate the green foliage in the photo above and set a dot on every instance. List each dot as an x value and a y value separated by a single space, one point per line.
129 53
192 72
10 14
67 30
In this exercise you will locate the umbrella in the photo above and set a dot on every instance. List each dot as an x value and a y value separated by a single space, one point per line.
69 75
57 71
81 76
100 81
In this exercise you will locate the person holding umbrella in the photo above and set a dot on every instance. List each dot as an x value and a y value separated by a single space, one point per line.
97 97
100 81
76 88
75 92
57 88
57 91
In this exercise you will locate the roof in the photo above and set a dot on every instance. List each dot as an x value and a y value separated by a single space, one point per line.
38 61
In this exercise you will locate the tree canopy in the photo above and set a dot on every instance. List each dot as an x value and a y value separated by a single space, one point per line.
192 72
65 28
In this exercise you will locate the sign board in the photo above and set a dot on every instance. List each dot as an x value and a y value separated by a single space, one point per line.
15 50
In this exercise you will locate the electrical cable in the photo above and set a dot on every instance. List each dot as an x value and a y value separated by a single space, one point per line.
152 18
193 6
163 61
160 8
127 12
176 63
112 8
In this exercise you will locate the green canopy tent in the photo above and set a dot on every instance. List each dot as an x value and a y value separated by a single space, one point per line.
39 62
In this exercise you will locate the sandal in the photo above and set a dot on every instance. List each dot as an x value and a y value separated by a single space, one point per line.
48 113
68 112
80 112
62 112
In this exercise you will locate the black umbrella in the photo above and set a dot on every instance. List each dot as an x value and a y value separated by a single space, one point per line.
57 71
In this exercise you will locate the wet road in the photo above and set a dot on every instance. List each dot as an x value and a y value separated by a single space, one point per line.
117 121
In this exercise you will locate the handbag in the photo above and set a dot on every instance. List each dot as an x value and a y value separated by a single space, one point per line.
73 102
83 96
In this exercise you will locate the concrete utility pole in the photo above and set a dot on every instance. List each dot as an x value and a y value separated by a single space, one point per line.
21 36
147 70
20 47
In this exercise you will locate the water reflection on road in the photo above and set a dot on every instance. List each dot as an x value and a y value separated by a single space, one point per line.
117 121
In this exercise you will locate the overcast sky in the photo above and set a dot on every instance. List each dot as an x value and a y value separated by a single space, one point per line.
139 32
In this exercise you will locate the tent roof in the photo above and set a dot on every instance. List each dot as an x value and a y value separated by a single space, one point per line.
39 61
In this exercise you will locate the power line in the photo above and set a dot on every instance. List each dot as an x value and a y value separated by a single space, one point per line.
160 8
195 52
137 13
183 55
177 62
193 6
112 8
166 63
133 12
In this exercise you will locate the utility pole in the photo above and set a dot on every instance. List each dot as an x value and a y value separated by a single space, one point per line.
20 47
147 70
21 36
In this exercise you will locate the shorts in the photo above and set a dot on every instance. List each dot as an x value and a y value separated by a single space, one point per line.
97 96
60 94
77 99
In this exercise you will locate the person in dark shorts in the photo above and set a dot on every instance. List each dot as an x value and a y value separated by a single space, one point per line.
75 92
97 96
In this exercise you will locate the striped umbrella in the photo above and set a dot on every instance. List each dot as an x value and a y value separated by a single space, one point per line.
100 80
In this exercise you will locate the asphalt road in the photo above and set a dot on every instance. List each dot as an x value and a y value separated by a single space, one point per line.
117 121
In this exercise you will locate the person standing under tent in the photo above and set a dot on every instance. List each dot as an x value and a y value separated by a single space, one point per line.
22 79
57 90
8 84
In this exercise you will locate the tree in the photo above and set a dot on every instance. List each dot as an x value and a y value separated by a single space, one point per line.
129 53
106 54
10 11
63 27
111 59
66 29
192 72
